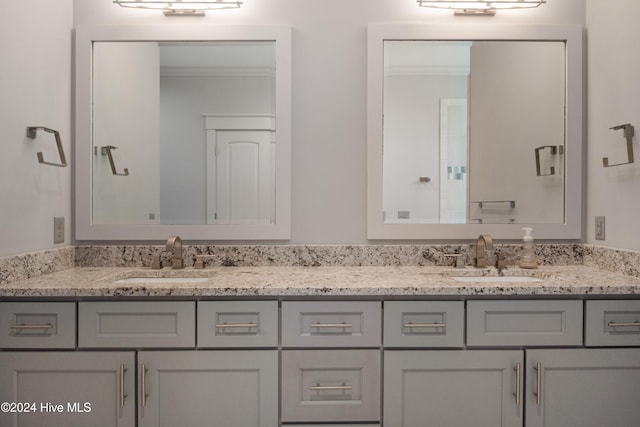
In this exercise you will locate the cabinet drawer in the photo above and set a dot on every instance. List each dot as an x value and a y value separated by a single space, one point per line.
237 324
524 323
330 385
424 324
37 325
331 324
137 324
612 323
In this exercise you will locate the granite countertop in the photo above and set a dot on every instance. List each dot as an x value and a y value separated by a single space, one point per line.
320 281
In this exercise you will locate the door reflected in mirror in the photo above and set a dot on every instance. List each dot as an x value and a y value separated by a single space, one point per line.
474 132
194 125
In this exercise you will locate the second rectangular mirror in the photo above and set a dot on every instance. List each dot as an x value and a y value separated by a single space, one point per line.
463 125
474 129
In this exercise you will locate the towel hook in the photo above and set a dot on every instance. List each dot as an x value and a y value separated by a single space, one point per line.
106 151
629 131
554 150
32 133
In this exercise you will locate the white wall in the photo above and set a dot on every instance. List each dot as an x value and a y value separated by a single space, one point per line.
614 99
183 186
126 113
412 123
329 91
35 88
506 127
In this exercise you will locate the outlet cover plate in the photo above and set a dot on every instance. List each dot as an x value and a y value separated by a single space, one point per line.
58 229
600 228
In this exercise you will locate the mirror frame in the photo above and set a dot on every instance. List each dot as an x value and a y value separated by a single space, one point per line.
84 39
572 228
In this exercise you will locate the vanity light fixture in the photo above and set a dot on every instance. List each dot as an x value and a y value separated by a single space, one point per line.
181 7
480 7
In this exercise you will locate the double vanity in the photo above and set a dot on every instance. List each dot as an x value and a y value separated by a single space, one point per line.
331 346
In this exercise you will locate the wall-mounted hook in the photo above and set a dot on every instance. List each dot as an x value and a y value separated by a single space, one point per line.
106 151
32 133
629 131
554 150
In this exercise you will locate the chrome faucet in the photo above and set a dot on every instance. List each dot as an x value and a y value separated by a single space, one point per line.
174 245
484 243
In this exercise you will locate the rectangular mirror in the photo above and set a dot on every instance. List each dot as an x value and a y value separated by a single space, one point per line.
474 130
183 130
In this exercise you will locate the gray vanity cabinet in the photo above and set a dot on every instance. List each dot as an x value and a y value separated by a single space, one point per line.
583 387
205 388
453 388
71 389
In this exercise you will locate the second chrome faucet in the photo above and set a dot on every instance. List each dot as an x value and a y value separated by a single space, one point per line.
483 244
174 245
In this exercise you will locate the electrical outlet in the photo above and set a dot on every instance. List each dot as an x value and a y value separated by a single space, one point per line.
600 228
58 229
403 214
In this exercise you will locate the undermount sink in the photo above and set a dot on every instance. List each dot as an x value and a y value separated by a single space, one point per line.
163 280
493 279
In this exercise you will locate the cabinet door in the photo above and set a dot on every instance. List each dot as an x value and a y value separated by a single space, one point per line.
331 323
524 323
330 385
136 324
586 388
453 388
70 389
208 388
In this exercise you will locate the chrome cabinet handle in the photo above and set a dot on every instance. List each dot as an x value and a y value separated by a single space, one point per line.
236 325
331 387
425 325
538 392
34 326
143 385
517 394
123 395
331 325
622 324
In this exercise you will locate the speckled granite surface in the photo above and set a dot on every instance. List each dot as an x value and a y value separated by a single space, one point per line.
290 270
22 267
318 255
615 260
321 281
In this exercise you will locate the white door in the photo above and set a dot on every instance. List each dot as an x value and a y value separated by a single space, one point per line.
453 161
244 177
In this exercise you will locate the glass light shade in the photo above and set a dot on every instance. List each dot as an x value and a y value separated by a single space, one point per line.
481 4
180 5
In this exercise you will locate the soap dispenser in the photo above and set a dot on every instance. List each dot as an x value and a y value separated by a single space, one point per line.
528 259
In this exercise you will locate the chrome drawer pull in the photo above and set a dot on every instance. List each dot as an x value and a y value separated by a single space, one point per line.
123 395
538 393
143 385
331 387
42 326
425 325
516 369
622 324
236 325
331 325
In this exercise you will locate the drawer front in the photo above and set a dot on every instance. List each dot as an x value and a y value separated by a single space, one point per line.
137 324
330 385
331 324
612 323
524 323
237 324
37 325
424 324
